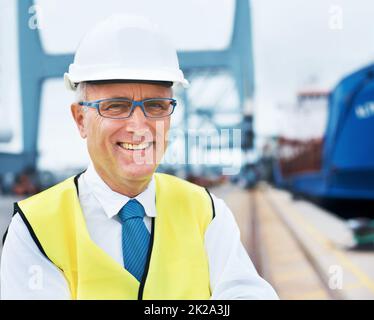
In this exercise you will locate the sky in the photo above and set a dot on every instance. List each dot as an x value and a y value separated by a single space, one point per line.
297 44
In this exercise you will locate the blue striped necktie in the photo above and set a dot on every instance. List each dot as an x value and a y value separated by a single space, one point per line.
135 238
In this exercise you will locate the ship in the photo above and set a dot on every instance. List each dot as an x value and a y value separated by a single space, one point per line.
338 164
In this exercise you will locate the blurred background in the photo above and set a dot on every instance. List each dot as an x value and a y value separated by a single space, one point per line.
278 121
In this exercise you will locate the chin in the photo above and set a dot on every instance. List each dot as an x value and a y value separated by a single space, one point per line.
134 171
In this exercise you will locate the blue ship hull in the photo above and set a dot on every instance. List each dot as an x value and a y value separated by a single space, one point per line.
347 161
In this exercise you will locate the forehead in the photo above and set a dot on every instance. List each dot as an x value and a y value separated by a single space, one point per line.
128 90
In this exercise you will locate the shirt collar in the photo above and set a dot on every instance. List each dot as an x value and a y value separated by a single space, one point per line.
112 201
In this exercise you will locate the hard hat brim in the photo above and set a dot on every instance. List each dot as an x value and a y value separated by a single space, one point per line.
77 75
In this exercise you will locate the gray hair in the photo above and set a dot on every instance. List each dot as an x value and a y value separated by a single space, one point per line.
81 92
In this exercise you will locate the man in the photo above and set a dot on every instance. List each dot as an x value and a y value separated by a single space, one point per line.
119 230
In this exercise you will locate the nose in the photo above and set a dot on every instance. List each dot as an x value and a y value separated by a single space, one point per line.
137 121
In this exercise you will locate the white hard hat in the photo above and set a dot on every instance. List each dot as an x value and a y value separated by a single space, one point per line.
125 47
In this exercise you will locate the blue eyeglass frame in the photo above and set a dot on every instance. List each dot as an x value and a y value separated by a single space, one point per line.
96 104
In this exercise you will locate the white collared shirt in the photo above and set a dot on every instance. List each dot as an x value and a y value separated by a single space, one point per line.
27 274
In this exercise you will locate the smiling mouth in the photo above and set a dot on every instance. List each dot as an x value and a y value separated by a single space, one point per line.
130 146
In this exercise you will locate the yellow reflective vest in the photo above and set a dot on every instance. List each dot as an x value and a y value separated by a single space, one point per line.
177 265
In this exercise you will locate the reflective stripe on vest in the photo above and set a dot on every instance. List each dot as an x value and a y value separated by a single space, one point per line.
177 266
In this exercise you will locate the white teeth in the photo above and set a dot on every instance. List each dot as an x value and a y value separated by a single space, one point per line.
130 146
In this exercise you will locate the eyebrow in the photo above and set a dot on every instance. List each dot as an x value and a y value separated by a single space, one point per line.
153 97
120 97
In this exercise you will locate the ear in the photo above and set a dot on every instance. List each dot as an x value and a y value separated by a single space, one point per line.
79 117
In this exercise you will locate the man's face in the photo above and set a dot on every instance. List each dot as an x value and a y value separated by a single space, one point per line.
108 139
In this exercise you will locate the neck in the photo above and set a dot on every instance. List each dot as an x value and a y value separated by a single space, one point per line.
128 187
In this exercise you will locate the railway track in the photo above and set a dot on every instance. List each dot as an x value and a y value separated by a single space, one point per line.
302 250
